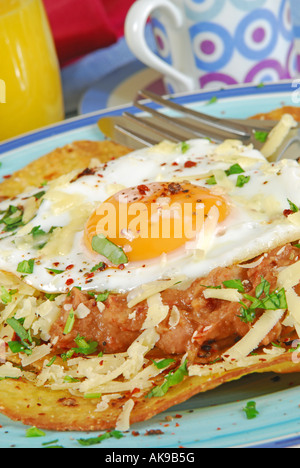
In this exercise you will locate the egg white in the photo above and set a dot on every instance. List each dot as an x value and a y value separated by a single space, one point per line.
255 225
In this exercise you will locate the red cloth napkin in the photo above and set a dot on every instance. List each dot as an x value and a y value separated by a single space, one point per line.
82 26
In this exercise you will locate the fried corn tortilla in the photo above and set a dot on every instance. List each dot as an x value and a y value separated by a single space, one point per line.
74 156
65 386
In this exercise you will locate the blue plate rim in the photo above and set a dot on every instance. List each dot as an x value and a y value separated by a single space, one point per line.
181 98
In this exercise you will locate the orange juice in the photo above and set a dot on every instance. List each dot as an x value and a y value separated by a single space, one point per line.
31 92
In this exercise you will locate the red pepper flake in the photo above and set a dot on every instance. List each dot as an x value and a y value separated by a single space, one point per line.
135 433
89 275
190 164
143 189
178 416
287 213
69 282
69 267
8 176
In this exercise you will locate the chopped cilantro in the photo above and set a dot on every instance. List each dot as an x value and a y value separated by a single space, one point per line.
235 169
234 284
35 432
102 297
263 300
70 322
242 180
84 347
250 410
25 344
109 250
213 100
92 396
13 218
39 195
98 267
55 271
261 136
211 180
173 378
185 147
163 363
293 207
99 439
26 266
51 296
37 231
6 296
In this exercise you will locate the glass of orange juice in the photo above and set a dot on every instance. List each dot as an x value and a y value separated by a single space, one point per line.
30 84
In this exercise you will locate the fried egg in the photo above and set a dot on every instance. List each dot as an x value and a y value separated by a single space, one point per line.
154 214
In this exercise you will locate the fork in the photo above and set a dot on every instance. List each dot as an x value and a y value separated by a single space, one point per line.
189 124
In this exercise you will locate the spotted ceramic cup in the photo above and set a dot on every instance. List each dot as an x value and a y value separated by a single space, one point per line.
213 43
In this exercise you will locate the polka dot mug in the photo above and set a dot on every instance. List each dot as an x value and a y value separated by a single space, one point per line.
214 43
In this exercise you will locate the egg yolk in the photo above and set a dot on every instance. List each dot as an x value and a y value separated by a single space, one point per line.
154 219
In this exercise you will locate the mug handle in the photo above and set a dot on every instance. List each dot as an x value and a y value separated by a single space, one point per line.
135 25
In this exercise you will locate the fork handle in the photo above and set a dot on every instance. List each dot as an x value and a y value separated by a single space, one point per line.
135 25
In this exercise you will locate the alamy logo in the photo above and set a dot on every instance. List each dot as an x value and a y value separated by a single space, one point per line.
2 92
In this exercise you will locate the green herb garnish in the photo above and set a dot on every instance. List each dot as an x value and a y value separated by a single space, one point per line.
235 169
109 250
185 147
35 432
293 207
242 180
163 363
102 296
234 284
26 266
23 346
211 180
84 347
173 378
264 299
55 271
250 410
70 322
261 136
6 296
13 218
212 100
98 267
99 439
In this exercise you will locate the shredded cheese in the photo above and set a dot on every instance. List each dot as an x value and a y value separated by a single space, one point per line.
144 291
156 313
289 276
277 135
254 337
231 295
123 421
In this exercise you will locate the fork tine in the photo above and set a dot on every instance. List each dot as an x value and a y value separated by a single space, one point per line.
234 128
171 129
186 129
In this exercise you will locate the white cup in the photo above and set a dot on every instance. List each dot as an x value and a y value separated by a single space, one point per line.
214 43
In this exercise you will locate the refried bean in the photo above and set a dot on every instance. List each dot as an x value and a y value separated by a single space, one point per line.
205 328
